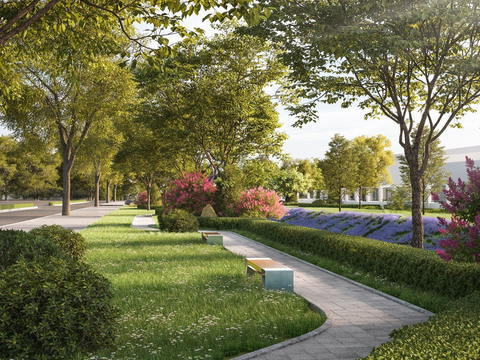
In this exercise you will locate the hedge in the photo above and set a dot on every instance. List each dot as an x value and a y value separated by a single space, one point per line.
16 206
417 268
452 334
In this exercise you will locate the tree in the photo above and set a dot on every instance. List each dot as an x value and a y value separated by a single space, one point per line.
339 167
42 17
213 95
373 160
8 166
68 103
310 170
434 176
259 172
413 62
36 174
289 182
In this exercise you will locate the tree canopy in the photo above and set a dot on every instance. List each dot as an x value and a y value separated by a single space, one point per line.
412 62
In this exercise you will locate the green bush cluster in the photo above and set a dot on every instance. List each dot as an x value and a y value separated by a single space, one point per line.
451 334
417 268
52 306
18 245
321 203
178 220
71 243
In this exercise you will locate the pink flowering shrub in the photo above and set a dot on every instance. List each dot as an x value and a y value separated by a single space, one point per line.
259 203
142 198
462 239
191 193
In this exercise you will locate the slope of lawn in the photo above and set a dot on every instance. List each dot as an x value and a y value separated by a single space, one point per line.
182 299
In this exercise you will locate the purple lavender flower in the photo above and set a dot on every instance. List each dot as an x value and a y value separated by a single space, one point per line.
389 228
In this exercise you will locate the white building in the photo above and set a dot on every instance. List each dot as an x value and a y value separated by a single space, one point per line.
455 165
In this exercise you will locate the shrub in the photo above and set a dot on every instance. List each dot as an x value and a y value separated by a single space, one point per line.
191 193
72 243
229 186
462 234
451 334
178 220
54 310
259 203
414 267
16 245
142 198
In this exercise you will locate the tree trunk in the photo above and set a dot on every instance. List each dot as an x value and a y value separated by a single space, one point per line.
107 200
115 192
340 200
67 190
417 222
149 189
97 189
360 198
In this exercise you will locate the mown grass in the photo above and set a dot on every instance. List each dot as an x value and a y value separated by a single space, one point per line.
427 300
403 213
182 299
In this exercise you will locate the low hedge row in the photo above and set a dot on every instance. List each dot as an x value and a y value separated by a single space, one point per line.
451 334
415 267
16 206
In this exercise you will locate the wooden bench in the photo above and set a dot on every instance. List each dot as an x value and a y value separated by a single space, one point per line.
275 276
212 238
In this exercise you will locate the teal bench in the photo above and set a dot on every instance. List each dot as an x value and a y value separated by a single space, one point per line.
212 238
275 276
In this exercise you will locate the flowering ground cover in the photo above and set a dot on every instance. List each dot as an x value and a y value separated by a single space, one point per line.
180 298
389 228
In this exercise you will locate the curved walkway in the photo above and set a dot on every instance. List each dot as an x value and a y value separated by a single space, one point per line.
361 318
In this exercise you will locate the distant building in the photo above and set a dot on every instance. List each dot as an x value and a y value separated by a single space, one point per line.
455 165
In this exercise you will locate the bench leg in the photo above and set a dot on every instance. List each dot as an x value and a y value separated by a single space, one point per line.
278 280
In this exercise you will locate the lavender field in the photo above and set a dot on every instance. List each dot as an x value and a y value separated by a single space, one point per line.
389 228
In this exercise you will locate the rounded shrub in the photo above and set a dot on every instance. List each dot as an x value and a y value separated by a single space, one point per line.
16 245
178 220
71 243
54 310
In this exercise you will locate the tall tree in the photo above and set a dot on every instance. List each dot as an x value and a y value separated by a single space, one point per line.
412 62
339 167
214 94
373 159
434 176
56 102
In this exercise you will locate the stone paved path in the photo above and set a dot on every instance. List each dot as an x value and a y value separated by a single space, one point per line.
144 222
361 318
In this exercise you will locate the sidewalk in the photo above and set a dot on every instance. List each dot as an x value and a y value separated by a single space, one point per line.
360 317
78 219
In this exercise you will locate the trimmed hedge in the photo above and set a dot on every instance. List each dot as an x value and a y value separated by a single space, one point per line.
16 206
451 334
403 264
178 220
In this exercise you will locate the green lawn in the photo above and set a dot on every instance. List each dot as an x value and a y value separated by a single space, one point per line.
374 211
181 298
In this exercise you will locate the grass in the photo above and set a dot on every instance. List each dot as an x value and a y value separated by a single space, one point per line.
427 300
52 203
182 299
403 213
16 206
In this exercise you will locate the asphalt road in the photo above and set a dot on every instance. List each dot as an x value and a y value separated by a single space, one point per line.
12 217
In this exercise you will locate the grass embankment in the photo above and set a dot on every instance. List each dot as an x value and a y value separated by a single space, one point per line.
16 206
53 203
403 213
181 298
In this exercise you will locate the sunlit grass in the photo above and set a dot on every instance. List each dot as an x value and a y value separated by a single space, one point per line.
182 299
